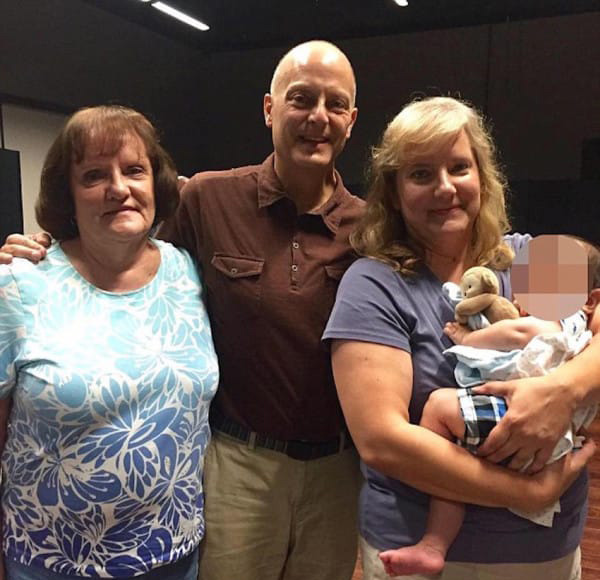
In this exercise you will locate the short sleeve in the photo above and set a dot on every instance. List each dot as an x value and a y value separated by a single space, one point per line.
367 307
12 330
517 241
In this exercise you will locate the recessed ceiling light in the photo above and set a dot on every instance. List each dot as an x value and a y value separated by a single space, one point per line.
181 16
401 2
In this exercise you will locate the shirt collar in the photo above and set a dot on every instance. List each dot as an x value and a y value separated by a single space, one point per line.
270 191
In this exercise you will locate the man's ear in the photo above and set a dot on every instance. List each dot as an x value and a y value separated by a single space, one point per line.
592 301
267 106
353 116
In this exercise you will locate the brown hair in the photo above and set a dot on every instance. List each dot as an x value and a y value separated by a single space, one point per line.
593 262
421 127
107 125
594 267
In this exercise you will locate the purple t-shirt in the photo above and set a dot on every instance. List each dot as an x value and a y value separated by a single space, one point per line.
376 304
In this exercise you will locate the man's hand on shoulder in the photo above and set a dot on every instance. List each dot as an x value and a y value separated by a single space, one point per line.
32 248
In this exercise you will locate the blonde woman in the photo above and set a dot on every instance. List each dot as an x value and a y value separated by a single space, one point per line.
435 208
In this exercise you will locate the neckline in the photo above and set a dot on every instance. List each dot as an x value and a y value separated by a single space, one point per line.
156 243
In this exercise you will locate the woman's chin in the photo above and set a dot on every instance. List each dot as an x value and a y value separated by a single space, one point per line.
447 228
126 232
458 226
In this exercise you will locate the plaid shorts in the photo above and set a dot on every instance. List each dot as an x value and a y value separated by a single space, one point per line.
481 414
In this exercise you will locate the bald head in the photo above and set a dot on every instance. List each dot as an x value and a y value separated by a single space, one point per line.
313 51
310 109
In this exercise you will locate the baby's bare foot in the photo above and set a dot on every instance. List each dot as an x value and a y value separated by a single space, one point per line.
418 559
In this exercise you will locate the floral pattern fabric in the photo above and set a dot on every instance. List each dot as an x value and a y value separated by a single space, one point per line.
103 461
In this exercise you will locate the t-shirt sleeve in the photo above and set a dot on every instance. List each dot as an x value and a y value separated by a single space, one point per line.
184 228
12 330
517 241
368 307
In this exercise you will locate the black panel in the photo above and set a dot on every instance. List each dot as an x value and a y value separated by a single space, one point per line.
11 208
556 207
590 159
247 24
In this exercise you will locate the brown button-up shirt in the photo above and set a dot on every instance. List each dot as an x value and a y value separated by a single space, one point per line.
270 276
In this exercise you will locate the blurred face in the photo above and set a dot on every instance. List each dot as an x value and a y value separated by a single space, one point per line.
438 194
311 110
114 194
549 276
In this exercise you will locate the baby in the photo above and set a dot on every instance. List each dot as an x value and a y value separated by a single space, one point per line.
527 346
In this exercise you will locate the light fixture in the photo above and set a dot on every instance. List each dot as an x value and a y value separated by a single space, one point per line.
402 3
181 16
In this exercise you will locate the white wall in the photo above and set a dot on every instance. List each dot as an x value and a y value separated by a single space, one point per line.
30 132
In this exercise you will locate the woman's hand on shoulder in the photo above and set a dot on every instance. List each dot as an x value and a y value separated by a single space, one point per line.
539 413
32 248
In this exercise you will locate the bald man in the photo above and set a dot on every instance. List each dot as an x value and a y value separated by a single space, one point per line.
281 475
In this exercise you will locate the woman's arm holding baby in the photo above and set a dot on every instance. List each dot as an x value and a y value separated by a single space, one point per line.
374 385
540 409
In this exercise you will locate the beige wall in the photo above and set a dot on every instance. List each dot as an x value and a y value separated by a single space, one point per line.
30 132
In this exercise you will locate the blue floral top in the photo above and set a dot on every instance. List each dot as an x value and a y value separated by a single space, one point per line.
103 461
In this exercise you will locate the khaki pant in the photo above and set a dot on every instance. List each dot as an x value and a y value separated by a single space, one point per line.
567 568
269 517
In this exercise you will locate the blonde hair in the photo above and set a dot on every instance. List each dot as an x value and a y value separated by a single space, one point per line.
423 127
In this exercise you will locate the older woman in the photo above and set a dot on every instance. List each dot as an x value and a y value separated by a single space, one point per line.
436 208
106 351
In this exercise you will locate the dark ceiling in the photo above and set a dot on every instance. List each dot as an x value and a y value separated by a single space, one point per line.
245 24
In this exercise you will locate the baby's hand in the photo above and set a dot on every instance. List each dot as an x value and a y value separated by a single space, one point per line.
522 312
456 332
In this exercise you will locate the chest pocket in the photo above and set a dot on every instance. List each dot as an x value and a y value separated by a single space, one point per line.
234 289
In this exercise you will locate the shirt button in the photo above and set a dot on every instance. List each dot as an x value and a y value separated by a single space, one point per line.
234 270
295 245
294 268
